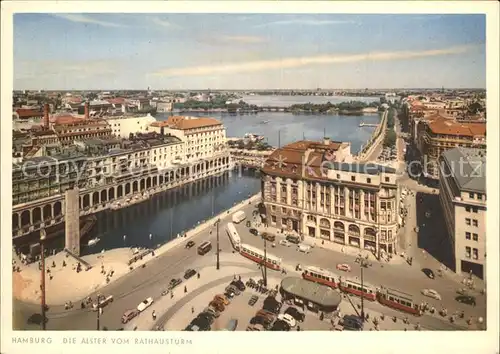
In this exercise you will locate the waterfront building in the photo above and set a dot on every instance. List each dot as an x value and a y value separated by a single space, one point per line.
463 200
437 135
125 125
309 188
202 137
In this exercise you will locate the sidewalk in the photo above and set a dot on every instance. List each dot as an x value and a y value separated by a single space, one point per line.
326 244
67 285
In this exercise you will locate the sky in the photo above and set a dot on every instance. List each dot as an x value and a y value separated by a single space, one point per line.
85 51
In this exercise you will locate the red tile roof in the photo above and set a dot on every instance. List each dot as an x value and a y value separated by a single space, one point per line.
450 127
184 123
117 100
28 113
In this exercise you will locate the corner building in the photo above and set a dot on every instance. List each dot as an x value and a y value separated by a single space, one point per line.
308 188
463 200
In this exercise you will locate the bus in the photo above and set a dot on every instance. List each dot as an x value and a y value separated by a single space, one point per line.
204 248
239 216
257 255
234 237
398 300
353 287
320 275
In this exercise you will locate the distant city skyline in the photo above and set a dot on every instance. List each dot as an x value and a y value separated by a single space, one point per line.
248 51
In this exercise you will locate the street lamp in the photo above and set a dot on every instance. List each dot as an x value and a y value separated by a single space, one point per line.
265 261
42 285
217 225
362 264
99 312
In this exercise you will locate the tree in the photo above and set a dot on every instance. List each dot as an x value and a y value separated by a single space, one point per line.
390 138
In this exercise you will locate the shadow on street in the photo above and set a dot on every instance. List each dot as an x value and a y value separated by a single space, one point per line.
432 235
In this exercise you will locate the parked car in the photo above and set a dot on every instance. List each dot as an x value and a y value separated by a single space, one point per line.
352 323
285 243
466 299
174 282
145 304
190 244
212 311
253 300
129 314
254 232
428 272
189 273
292 311
268 315
234 289
229 294
219 306
239 284
264 321
232 324
431 293
103 302
280 325
205 316
344 267
222 299
288 319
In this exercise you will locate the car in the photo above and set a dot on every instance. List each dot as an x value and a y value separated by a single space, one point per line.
165 292
268 315
288 319
431 293
344 267
234 289
292 311
210 310
145 304
239 284
190 244
253 300
428 272
268 237
222 299
352 323
174 282
189 273
104 300
205 317
466 299
255 327
285 243
280 325
128 315
229 294
293 239
219 306
263 321
254 232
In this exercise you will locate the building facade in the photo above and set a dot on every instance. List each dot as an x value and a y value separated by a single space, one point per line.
308 189
463 200
123 126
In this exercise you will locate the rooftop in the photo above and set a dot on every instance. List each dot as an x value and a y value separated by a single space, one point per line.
468 167
449 127
317 293
186 123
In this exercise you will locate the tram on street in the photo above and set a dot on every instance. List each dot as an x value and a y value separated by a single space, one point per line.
350 286
320 275
398 300
234 237
257 256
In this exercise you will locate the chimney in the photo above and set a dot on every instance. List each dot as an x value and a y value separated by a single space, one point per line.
326 141
86 110
46 116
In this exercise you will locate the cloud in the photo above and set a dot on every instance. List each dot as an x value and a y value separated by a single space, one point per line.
243 39
164 23
86 19
305 22
287 63
51 68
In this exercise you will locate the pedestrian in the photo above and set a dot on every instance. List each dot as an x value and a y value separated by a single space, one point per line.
239 277
185 289
198 275
192 309
154 315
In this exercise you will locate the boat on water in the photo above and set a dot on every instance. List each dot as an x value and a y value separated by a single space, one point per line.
254 137
264 122
94 241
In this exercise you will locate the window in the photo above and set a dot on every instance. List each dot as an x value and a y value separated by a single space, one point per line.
467 235
467 252
467 209
475 253
475 237
273 219
353 178
471 195
387 179
474 210
474 222
467 221
338 176
368 180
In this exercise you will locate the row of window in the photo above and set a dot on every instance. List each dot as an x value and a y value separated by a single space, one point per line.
475 237
475 253
475 223
469 209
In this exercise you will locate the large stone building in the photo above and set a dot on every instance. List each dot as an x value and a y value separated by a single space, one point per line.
438 135
202 137
463 200
309 189
125 125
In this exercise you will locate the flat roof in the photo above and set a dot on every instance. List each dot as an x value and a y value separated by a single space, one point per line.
468 168
317 293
